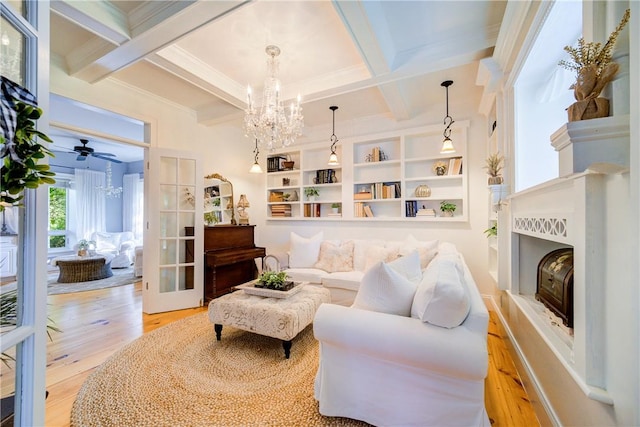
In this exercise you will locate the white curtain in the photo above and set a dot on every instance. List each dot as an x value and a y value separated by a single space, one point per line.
90 203
132 204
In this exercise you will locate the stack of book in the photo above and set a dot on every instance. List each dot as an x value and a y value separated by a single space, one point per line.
426 212
280 211
411 208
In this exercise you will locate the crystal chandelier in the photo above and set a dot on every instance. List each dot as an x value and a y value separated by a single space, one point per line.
109 190
272 126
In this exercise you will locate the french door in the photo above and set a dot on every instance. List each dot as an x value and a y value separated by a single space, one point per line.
173 262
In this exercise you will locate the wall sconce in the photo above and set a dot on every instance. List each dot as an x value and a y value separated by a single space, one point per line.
255 168
333 157
447 144
243 204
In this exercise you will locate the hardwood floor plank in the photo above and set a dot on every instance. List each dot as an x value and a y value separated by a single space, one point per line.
98 323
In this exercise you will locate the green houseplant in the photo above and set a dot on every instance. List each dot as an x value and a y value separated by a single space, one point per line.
447 208
20 168
311 193
274 280
492 231
335 207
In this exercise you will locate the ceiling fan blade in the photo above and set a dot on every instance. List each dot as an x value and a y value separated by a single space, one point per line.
81 157
111 159
103 154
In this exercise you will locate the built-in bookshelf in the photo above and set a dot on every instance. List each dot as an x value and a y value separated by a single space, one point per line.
377 182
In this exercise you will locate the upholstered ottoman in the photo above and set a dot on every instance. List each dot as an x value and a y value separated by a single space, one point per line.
281 318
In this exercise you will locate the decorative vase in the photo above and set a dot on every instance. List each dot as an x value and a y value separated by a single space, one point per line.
447 214
495 180
423 191
588 109
334 210
82 252
288 164
311 198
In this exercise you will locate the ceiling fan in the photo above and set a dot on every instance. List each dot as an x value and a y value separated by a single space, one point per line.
84 151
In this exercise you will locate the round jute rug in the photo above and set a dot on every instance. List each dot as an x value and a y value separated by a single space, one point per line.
179 375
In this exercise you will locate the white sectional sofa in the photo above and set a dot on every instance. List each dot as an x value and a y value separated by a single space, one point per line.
340 265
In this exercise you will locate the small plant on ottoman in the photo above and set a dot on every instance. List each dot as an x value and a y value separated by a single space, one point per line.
273 280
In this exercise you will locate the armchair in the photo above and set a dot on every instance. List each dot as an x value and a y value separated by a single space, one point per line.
394 370
121 245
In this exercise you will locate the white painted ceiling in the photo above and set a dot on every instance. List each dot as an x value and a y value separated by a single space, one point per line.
371 58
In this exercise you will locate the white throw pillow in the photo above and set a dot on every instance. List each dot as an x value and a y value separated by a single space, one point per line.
376 254
441 299
335 257
360 252
408 266
386 291
427 249
303 252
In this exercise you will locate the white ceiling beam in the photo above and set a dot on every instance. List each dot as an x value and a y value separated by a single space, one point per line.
161 34
99 17
360 29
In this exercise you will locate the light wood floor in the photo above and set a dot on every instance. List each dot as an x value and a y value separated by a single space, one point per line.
97 323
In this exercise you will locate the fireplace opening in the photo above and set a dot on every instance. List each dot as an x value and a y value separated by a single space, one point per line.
555 284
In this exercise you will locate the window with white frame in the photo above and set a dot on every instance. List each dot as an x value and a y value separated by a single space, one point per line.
61 213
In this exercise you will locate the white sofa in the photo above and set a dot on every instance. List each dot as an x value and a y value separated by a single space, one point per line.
423 365
121 245
318 261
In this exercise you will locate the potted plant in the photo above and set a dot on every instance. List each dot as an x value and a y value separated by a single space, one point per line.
594 69
274 280
493 167
311 193
335 207
20 168
84 246
447 208
492 231
210 218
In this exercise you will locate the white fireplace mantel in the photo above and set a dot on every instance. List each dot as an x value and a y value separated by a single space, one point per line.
583 143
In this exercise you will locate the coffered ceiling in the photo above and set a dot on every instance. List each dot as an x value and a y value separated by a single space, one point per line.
369 57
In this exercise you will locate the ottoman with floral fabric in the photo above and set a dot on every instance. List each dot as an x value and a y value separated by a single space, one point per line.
281 318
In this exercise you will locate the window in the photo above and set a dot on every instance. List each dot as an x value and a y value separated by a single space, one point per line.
542 94
60 212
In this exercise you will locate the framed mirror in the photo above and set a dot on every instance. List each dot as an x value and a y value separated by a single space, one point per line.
218 200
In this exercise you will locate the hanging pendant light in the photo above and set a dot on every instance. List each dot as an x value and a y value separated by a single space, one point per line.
333 157
447 144
255 168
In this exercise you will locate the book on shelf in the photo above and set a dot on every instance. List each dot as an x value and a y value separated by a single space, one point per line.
426 212
274 163
455 166
367 211
411 208
312 210
325 176
278 211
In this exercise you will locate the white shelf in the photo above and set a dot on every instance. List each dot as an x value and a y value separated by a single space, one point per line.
409 158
